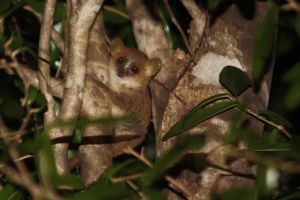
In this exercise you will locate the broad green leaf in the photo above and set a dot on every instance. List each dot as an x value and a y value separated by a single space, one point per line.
237 132
276 118
172 157
270 148
104 190
44 159
264 44
211 100
118 167
197 116
11 193
69 181
234 80
261 179
126 168
273 137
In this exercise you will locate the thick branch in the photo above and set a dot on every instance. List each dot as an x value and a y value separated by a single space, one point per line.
44 55
82 17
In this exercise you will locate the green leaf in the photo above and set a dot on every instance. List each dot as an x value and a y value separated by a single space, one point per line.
270 148
11 193
172 157
44 160
103 190
126 168
197 116
264 44
69 181
211 100
276 118
234 80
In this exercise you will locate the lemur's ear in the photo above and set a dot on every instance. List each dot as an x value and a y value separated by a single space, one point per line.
116 46
152 66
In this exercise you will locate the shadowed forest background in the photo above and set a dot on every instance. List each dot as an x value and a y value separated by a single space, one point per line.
152 170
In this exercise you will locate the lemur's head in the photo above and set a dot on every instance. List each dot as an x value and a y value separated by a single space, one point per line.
130 67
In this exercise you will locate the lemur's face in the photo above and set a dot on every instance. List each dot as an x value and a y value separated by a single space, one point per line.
131 67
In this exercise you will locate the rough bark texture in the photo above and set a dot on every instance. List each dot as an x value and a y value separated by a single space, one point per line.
183 82
95 158
82 17
228 40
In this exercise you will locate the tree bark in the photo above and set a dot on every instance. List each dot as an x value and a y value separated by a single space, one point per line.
228 39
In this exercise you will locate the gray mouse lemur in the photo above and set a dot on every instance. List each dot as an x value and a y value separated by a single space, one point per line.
129 73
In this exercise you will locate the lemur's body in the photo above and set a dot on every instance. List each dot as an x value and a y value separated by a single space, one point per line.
130 72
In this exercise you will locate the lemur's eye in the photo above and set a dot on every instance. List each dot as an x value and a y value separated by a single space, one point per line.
121 61
134 69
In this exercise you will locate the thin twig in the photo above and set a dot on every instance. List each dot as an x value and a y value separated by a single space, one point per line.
263 119
176 23
169 90
55 36
126 178
135 188
193 56
173 182
283 165
116 11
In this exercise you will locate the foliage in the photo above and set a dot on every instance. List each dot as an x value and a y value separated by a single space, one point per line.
21 28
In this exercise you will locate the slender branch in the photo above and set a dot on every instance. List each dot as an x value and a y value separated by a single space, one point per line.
116 11
263 119
176 23
44 53
83 15
192 59
135 188
55 36
127 178
173 182
286 166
